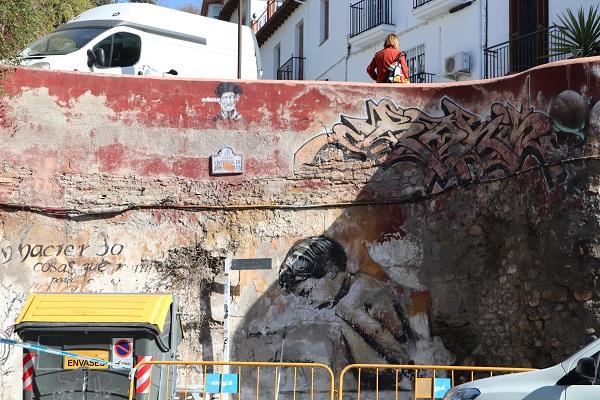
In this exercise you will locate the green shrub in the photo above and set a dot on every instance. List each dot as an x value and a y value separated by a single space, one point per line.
23 21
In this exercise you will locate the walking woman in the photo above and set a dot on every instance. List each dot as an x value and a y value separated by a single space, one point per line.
378 68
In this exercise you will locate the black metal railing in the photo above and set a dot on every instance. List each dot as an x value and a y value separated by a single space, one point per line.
419 3
522 53
421 77
367 14
292 69
272 6
415 60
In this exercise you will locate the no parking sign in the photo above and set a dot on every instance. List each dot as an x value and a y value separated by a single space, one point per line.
122 352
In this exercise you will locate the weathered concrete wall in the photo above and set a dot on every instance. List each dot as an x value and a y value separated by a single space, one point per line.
425 223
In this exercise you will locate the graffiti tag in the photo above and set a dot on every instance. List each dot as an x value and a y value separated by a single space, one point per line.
454 148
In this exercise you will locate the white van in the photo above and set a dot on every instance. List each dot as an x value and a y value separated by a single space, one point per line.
144 39
576 378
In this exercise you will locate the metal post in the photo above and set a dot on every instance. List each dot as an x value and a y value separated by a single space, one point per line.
227 317
239 68
227 313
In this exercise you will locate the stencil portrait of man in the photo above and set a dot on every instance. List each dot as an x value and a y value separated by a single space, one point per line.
228 93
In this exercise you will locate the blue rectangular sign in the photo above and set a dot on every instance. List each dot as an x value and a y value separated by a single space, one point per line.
229 383
213 383
441 386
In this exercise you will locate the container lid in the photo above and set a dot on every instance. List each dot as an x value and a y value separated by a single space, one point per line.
96 309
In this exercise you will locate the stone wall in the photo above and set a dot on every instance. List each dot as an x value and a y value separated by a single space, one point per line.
426 223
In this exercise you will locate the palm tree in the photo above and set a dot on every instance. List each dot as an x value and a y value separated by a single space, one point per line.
579 35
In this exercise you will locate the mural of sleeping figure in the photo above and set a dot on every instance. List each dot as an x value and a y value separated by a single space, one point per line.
321 311
315 269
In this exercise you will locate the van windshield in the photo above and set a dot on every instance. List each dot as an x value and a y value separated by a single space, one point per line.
62 42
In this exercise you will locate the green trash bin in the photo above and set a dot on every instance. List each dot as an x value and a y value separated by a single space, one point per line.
120 328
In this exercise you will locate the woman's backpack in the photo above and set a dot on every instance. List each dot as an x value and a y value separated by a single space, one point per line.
395 74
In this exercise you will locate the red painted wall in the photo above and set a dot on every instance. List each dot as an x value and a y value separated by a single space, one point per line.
57 123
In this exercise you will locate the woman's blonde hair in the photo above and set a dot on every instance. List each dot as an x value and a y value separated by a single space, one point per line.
392 40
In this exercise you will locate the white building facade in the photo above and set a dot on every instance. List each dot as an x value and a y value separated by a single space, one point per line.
444 40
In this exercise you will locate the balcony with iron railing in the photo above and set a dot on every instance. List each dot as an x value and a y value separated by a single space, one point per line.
522 53
272 6
292 69
425 9
422 77
229 6
272 18
420 3
368 14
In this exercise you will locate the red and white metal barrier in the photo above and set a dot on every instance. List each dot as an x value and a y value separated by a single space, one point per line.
28 370
143 375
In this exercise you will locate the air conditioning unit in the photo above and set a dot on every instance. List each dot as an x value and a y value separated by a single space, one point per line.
459 63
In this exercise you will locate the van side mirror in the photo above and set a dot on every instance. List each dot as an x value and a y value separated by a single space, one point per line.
586 367
100 58
96 57
91 58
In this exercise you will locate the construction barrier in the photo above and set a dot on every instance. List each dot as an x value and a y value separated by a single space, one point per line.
404 382
207 380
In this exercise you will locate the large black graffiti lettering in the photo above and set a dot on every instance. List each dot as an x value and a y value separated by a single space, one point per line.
456 147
